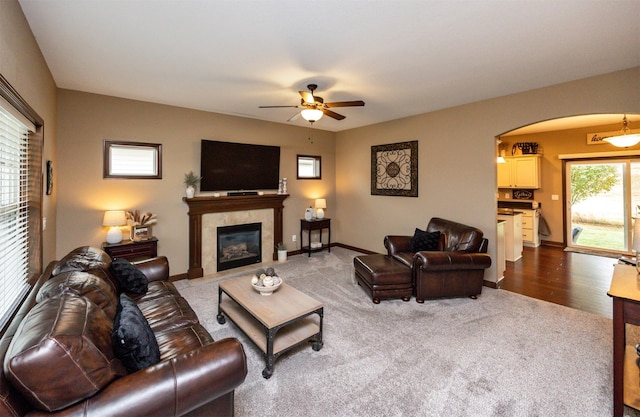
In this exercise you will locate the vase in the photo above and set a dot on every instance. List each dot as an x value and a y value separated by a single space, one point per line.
282 255
191 191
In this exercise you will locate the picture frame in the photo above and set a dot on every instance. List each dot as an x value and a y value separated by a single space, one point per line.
394 169
49 189
140 233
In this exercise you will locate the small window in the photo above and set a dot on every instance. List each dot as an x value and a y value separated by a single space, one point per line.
132 160
309 167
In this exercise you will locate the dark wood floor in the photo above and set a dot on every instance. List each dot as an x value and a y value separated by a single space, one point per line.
571 279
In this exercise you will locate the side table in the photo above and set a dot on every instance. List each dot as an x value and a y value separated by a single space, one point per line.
626 309
317 224
132 250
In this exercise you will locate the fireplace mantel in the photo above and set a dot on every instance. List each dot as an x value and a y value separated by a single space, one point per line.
203 205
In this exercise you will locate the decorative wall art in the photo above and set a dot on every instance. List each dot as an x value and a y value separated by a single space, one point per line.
394 169
49 177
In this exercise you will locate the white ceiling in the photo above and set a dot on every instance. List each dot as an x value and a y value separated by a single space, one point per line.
401 57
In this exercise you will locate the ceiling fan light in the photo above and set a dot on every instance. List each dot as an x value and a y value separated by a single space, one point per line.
311 115
625 138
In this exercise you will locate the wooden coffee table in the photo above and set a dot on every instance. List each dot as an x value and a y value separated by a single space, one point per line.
275 323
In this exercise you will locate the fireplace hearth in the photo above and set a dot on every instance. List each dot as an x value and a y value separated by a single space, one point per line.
239 245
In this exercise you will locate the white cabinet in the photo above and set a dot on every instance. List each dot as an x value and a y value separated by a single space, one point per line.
500 264
530 222
519 172
512 236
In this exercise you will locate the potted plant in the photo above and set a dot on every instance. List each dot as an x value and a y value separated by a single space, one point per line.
191 181
282 251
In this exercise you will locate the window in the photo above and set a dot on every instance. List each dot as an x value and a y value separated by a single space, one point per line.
20 199
132 160
602 199
309 167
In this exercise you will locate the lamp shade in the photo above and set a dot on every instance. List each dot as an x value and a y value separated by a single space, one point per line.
113 219
311 115
321 204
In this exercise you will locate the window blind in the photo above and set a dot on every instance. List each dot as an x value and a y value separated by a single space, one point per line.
14 212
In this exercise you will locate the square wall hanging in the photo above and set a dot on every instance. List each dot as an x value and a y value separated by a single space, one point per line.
394 169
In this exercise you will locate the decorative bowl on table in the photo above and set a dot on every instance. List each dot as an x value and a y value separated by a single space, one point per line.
265 286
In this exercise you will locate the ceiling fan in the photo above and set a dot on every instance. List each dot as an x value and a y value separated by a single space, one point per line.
314 107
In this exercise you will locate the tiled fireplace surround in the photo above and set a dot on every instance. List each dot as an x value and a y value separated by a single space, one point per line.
207 213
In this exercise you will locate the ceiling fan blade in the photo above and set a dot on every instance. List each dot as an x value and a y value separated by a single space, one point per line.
275 107
345 103
333 114
294 117
307 97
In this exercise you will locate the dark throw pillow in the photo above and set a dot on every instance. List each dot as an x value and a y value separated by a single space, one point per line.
133 340
130 278
422 241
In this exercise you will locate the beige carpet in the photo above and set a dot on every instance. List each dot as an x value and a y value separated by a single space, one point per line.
501 355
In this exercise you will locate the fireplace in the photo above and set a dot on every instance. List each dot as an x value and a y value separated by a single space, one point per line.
206 213
239 245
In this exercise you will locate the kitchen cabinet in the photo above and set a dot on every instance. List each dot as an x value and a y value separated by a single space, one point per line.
519 172
500 264
512 235
530 222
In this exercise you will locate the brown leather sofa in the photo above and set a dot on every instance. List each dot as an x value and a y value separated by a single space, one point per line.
59 361
454 269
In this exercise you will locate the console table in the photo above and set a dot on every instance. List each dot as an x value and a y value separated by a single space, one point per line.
317 224
625 292
132 250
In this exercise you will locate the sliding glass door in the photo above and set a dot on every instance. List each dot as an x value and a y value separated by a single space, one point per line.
602 199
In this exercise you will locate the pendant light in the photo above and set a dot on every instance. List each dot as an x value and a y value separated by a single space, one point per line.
625 138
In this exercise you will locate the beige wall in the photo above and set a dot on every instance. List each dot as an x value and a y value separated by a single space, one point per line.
22 64
552 144
456 149
86 120
457 167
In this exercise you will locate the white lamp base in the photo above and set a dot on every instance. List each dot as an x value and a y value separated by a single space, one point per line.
320 213
114 235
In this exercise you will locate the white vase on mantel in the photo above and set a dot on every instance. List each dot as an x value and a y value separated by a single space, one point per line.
191 191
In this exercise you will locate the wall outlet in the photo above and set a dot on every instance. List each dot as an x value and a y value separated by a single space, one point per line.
294 238
555 197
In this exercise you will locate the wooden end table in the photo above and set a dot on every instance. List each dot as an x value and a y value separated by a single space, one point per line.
132 250
625 291
274 323
316 224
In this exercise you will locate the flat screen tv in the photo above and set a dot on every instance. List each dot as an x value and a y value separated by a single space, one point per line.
229 166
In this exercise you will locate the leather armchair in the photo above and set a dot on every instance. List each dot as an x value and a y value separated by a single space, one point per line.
455 269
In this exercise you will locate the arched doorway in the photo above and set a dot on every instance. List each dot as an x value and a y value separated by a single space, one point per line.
558 141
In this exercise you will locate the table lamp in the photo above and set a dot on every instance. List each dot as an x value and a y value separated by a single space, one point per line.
114 219
321 204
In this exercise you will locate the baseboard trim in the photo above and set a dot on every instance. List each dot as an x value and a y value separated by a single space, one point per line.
552 244
178 277
494 285
355 249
